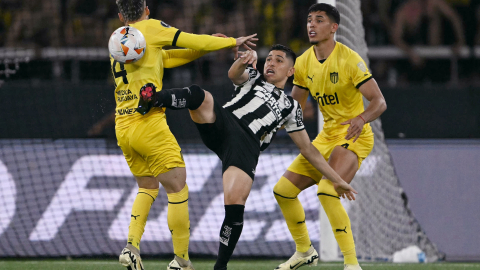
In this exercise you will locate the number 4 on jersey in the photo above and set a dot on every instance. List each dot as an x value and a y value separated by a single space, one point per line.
345 145
122 73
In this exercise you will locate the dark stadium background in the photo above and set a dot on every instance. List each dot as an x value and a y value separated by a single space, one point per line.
56 83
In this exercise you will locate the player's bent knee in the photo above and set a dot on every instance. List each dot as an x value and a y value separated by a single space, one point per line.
284 189
235 198
325 188
198 96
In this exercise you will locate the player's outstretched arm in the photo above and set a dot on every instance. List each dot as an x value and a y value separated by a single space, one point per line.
212 43
301 139
377 106
237 73
178 57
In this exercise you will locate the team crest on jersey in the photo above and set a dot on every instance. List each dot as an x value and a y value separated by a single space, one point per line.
334 77
252 73
164 24
287 102
362 66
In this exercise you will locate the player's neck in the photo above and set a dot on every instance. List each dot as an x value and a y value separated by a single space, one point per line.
280 84
324 49
142 19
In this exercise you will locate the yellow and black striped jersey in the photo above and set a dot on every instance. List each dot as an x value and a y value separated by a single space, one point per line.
334 85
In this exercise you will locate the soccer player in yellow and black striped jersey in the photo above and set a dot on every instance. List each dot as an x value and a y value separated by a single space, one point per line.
338 79
149 147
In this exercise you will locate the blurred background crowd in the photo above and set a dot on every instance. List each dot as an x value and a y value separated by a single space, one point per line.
399 23
414 45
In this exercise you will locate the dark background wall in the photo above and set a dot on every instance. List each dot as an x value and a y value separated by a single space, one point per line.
68 110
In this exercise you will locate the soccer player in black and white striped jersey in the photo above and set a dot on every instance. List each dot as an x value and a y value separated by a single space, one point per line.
239 130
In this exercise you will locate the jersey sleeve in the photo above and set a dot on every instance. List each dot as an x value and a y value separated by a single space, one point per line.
295 118
178 57
357 70
203 42
298 78
160 34
253 75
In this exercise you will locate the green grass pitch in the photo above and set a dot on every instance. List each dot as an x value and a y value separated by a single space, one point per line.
151 264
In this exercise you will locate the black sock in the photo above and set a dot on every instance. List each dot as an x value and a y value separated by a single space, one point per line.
229 233
180 98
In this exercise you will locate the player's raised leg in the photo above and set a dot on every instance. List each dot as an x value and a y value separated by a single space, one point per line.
345 163
198 101
236 187
286 191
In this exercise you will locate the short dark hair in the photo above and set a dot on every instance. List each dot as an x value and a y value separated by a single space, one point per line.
331 11
279 47
131 10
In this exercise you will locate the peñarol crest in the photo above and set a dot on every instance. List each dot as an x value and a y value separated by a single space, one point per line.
334 77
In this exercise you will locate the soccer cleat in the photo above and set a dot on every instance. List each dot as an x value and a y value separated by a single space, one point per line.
130 259
352 267
147 98
175 265
299 259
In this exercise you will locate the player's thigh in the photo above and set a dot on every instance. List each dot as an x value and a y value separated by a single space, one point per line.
302 182
205 113
347 156
236 185
344 162
301 173
138 166
154 141
147 182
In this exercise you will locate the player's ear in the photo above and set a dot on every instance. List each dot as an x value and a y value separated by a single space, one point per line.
147 11
334 27
291 71
121 17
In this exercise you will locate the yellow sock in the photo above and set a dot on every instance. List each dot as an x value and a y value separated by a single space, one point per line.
286 194
138 218
179 222
338 219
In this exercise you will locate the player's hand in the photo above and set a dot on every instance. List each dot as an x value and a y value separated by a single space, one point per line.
245 42
355 128
249 57
344 190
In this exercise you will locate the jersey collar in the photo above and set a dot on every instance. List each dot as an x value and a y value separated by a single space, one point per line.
328 57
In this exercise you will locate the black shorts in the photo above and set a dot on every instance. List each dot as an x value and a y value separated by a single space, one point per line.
232 143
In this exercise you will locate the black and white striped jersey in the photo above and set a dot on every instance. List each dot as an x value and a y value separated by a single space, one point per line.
264 108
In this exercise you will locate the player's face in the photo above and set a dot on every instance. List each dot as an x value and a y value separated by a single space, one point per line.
277 67
319 27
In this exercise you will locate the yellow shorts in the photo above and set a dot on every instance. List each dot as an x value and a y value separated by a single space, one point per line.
150 147
362 147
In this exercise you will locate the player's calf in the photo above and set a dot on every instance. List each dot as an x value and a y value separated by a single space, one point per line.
176 98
